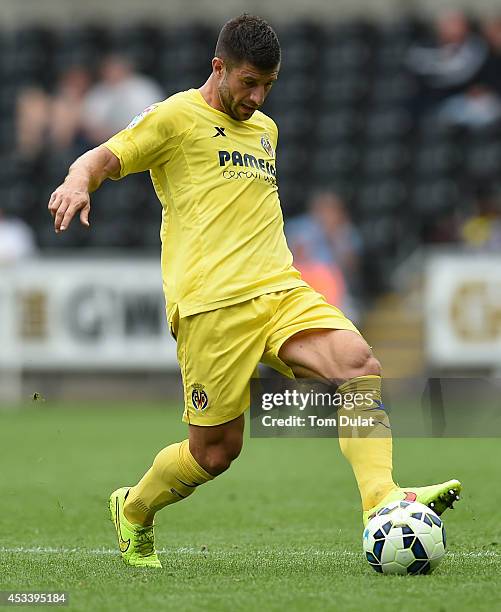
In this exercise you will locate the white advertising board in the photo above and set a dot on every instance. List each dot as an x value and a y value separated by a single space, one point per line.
87 313
463 310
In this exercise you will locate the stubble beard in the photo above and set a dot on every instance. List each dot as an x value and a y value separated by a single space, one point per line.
226 100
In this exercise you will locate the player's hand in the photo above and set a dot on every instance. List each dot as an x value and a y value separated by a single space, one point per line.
64 204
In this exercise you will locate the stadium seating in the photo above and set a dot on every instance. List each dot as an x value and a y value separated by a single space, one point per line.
343 105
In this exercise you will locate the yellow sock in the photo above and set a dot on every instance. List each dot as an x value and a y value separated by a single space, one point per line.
368 449
173 476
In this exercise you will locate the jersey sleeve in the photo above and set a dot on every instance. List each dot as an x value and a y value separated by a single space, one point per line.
151 138
274 132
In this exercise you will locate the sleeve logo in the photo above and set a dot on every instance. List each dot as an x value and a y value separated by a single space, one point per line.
138 118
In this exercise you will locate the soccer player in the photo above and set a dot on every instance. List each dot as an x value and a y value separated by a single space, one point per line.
233 296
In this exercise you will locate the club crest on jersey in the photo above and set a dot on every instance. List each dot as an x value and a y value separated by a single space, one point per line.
267 146
199 397
141 116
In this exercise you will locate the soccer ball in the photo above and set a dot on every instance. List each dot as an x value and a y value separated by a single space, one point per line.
404 538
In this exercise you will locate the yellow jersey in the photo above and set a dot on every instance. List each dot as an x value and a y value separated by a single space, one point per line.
222 226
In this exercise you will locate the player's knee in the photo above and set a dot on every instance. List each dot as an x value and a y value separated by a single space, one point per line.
372 367
218 458
218 461
360 362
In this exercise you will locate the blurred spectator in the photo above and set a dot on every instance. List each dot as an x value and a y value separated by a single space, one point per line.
327 249
343 239
66 124
452 64
16 239
33 112
121 94
491 72
52 121
482 231
475 109
324 277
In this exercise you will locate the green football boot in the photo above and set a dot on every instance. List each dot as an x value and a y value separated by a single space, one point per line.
437 497
136 543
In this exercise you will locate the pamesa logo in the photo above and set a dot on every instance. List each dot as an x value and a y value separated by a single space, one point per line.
246 160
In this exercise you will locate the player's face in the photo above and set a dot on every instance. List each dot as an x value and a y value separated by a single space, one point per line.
243 89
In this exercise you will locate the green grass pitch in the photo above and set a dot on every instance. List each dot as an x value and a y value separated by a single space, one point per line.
281 530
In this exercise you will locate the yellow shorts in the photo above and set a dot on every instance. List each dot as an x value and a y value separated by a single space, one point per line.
219 351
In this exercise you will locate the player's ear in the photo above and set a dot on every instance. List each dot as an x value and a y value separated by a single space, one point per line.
218 67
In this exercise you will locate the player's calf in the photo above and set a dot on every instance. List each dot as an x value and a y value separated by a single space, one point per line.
216 459
174 475
180 468
214 448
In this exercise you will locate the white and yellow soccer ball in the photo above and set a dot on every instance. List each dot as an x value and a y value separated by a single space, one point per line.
404 538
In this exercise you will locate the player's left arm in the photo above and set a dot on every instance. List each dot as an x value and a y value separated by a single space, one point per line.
274 133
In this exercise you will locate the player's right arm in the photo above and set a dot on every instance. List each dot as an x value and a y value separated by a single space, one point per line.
85 176
148 141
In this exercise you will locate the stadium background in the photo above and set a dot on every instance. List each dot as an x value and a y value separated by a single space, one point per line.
351 119
83 333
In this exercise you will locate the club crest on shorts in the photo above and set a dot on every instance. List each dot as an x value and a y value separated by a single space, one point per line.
199 397
267 146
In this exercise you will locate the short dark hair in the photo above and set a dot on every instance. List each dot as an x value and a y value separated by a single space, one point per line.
248 38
